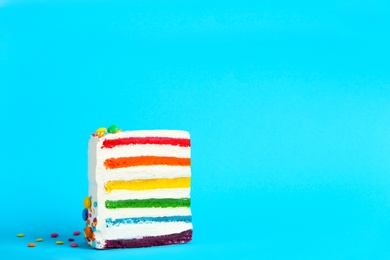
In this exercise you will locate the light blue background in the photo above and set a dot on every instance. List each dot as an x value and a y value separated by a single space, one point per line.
287 103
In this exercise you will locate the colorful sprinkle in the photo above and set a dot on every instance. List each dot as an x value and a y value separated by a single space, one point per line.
70 239
20 235
88 232
59 242
101 131
95 204
39 239
113 129
87 203
76 233
84 214
54 235
31 245
74 245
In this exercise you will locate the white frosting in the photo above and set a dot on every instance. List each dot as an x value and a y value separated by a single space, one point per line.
150 212
147 194
98 175
145 149
149 133
140 230
143 172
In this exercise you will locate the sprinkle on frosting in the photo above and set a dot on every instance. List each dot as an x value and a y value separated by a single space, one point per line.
114 129
87 203
84 214
102 131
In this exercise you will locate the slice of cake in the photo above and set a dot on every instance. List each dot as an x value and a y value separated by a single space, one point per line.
139 188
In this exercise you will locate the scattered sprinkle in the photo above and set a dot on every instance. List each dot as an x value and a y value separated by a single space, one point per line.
31 245
59 242
70 239
74 245
76 233
54 235
39 239
20 235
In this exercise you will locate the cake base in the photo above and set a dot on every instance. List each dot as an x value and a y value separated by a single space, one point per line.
178 238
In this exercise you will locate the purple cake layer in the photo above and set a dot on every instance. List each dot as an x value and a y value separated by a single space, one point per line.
177 238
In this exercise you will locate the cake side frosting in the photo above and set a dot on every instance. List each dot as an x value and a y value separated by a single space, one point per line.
139 189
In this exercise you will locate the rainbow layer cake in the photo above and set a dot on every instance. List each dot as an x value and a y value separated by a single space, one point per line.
139 188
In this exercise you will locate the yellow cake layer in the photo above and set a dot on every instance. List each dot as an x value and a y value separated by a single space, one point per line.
149 184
